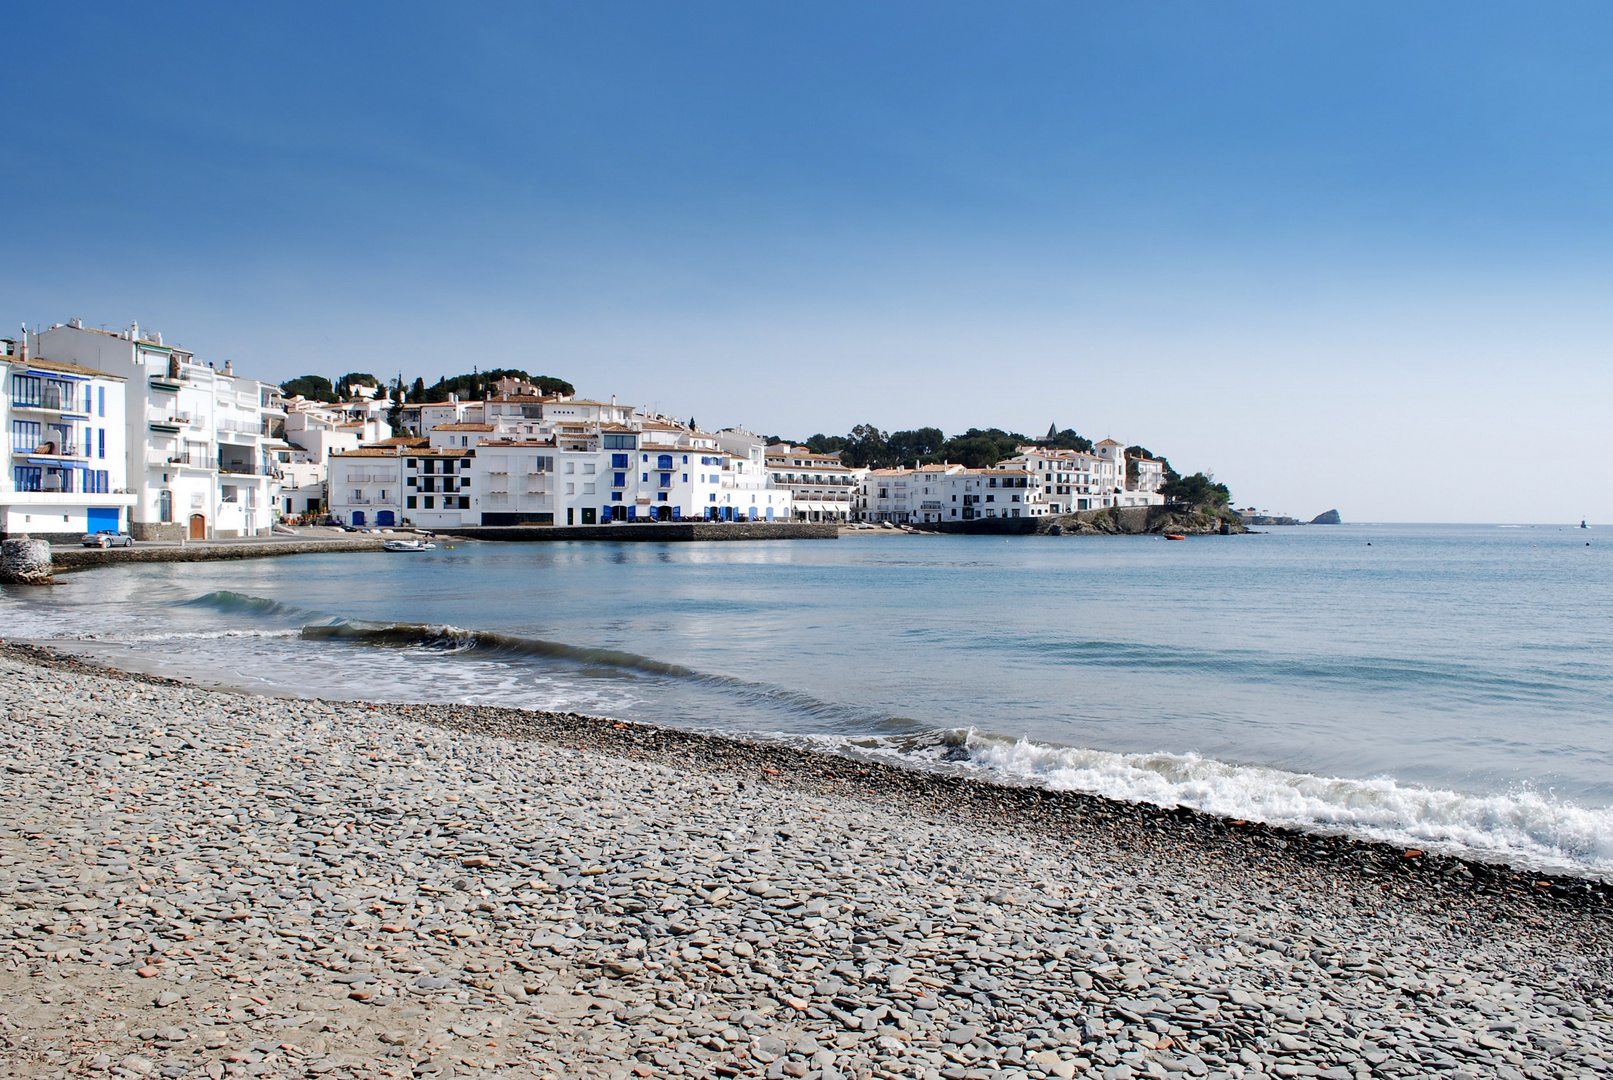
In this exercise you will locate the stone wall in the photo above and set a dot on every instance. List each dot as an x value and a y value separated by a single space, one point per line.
172 531
663 532
74 558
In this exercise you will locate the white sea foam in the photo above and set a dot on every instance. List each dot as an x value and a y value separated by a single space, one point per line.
1522 827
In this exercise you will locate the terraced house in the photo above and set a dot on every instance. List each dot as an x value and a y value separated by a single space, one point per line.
65 444
196 437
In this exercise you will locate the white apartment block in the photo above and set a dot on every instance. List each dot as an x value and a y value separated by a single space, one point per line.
821 487
65 443
363 487
195 436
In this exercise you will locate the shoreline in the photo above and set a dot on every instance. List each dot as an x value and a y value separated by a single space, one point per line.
629 900
1357 854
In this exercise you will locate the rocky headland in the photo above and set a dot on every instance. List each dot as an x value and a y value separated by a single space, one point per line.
204 883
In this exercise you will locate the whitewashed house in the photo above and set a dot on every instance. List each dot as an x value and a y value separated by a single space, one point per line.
194 435
65 435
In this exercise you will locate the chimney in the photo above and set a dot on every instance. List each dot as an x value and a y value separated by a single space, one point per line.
227 369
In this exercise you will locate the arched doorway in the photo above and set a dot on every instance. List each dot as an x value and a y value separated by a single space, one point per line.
198 527
358 517
384 517
165 506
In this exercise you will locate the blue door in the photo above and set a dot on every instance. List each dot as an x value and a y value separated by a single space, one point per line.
769 513
103 519
358 517
384 517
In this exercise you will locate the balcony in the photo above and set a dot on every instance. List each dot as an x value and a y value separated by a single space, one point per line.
241 468
49 400
192 461
51 450
166 385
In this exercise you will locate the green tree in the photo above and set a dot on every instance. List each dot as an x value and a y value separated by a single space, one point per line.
1068 440
355 378
826 444
922 444
866 448
417 392
479 384
1134 452
979 449
1197 490
312 387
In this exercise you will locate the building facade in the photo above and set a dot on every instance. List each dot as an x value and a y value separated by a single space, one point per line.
67 463
195 436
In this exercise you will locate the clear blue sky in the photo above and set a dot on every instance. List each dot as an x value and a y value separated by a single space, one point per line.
1352 255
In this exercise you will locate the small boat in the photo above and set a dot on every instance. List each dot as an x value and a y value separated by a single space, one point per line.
1175 536
409 545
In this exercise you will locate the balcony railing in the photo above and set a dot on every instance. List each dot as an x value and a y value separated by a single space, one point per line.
50 449
241 468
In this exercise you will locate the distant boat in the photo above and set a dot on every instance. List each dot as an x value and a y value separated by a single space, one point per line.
1175 536
1582 524
409 545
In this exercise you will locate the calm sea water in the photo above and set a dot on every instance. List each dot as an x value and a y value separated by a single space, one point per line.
1448 686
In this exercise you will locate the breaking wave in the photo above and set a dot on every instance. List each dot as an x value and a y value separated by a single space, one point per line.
489 644
1521 826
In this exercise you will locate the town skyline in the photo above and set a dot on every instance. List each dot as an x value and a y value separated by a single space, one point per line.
1262 240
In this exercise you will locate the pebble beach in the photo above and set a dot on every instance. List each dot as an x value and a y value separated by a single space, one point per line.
197 882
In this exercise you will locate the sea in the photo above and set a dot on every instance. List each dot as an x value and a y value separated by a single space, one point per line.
1443 687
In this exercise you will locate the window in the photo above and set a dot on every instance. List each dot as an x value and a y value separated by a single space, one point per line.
27 390
619 479
100 401
25 436
620 442
27 477
431 502
100 444
663 461
588 489
571 467
686 475
413 464
165 506
686 459
616 496
464 503
618 461
588 468
644 478
410 502
571 489
413 481
660 496
431 466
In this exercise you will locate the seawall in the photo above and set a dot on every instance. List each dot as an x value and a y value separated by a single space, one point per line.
662 532
78 558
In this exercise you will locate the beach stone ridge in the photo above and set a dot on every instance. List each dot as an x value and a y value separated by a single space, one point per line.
202 883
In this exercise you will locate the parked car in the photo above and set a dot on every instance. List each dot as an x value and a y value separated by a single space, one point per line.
106 540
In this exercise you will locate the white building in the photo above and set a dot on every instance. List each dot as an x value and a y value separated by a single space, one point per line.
194 435
302 478
821 487
364 488
65 444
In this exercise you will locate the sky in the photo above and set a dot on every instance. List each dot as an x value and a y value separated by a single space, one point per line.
1350 255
